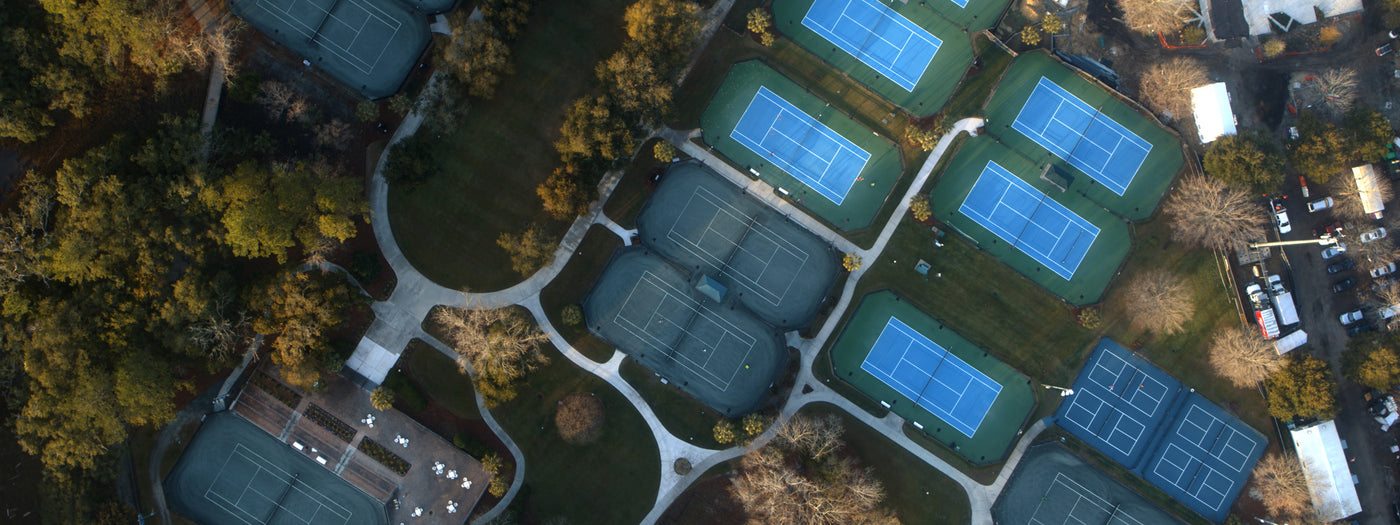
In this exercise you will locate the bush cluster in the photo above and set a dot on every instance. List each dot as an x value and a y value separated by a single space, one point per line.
384 456
331 423
277 390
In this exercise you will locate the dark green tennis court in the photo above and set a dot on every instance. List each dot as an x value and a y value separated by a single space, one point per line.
233 473
1153 175
858 203
1096 265
979 431
370 45
929 91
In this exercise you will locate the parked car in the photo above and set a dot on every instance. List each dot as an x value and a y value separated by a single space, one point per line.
1343 285
1384 270
1373 235
1341 266
1385 50
1329 229
1281 214
1320 204
1350 317
1359 328
1333 251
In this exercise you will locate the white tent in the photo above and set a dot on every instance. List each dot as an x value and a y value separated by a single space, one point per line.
1211 105
1325 465
1367 189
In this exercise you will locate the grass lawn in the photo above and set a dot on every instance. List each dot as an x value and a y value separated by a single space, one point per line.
969 97
573 283
439 379
491 164
613 480
915 491
632 190
682 415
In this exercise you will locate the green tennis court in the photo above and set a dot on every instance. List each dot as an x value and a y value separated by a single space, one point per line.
1095 266
997 424
369 45
1154 172
857 207
931 86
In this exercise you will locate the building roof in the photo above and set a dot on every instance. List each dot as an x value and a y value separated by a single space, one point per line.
1256 12
1325 466
1211 105
1372 202
711 288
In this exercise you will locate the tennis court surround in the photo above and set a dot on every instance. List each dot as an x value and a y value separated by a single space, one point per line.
1169 435
1079 238
806 149
233 473
1053 486
876 35
961 408
905 53
816 188
1103 136
369 45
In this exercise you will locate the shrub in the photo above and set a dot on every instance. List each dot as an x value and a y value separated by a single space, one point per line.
918 205
851 262
366 111
1329 35
579 418
572 315
329 422
473 447
384 456
277 390
1090 318
923 138
664 151
244 88
724 432
1193 34
1274 48
407 392
382 398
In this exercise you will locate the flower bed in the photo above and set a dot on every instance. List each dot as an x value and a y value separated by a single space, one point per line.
384 456
327 421
277 390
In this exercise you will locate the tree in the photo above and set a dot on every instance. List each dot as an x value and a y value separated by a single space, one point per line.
925 139
529 250
282 102
500 473
335 134
1274 48
1166 86
782 483
499 347
1374 254
382 398
506 16
851 262
1052 23
1304 387
564 194
1159 301
1321 149
1280 485
1369 134
477 58
724 432
1350 204
753 425
665 29
366 111
664 151
1387 296
1242 357
918 205
592 130
1338 90
636 85
410 161
1157 16
268 210
1248 160
1373 363
1208 214
1030 35
760 21
401 104
572 315
296 312
579 418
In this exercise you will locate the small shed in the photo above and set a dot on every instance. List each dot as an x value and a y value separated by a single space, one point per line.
711 288
1214 118
1324 461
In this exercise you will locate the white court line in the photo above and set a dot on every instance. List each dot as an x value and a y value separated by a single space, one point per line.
341 52
1102 436
915 338
261 463
813 180
1065 97
640 332
1045 257
1085 495
888 69
1189 419
751 283
1123 366
1204 470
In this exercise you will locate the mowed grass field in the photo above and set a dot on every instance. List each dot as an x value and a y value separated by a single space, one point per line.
491 164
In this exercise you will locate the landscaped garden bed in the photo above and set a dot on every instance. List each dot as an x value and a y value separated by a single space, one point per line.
384 456
329 422
277 390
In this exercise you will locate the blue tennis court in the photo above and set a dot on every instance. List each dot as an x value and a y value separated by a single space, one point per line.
924 372
884 40
798 144
1082 136
1206 457
1029 220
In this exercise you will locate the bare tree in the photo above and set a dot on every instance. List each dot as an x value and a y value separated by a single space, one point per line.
1349 196
783 483
1166 86
1280 485
579 418
498 346
1208 213
335 134
1157 16
282 101
1159 300
1387 296
1242 357
1338 90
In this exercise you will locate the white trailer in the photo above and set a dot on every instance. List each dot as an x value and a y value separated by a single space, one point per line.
1291 341
1367 190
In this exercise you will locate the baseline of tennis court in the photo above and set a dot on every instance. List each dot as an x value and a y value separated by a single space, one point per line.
669 321
928 375
233 473
794 141
730 240
1029 219
876 35
1067 501
1054 486
937 381
1080 134
370 46
1170 436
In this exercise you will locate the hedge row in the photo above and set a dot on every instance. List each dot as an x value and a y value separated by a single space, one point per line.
384 456
340 428
277 390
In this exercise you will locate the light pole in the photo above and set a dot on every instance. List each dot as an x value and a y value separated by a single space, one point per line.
1064 392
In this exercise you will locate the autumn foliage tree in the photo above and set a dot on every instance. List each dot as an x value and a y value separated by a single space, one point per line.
1303 387
1374 363
498 346
1242 357
1321 149
1248 160
579 418
298 309
1207 213
529 250
564 193
1159 300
